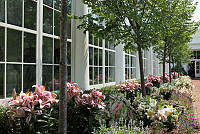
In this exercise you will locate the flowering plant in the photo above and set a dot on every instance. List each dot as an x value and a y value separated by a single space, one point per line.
155 80
31 103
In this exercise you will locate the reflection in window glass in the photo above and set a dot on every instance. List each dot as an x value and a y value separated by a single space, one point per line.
14 9
2 10
2 43
111 58
91 55
29 48
48 2
95 41
100 77
96 77
106 58
13 79
68 28
100 57
91 75
47 50
47 20
1 81
95 56
111 74
90 39
106 75
57 23
57 4
68 52
29 77
198 54
30 12
14 46
56 78
47 77
56 51
69 73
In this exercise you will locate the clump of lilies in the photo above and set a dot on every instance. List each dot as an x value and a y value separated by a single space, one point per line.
31 103
93 100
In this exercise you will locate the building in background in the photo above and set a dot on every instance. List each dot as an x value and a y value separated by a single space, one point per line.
30 46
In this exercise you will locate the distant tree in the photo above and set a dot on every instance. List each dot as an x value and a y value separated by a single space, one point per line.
63 70
177 28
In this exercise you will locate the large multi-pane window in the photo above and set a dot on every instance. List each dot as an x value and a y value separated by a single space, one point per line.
101 59
51 43
130 65
145 62
196 54
20 42
156 66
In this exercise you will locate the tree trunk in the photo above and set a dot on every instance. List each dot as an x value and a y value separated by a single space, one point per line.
63 70
141 70
170 78
164 60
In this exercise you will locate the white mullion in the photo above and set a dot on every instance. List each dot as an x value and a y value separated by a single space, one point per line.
53 51
103 61
5 11
22 46
5 66
10 26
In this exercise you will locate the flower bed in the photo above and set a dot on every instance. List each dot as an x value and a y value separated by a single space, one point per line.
166 109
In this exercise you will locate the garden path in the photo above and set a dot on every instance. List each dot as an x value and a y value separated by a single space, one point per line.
196 92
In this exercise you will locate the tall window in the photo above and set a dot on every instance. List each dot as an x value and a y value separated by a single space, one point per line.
19 43
130 65
51 43
99 51
156 66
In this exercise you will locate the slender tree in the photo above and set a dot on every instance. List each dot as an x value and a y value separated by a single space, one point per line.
129 22
63 70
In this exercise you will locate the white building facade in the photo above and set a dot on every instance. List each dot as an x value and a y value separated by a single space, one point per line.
30 46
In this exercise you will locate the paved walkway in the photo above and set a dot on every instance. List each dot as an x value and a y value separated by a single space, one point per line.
196 92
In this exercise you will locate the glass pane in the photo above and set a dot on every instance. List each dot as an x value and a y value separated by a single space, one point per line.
194 54
91 55
106 74
106 58
30 14
111 45
91 75
47 20
14 46
68 28
111 74
100 75
69 73
57 23
47 77
1 81
134 73
126 61
14 9
29 48
56 51
95 56
111 58
29 77
90 39
48 2
100 42
95 41
106 44
198 54
2 43
47 50
126 73
68 52
2 10
13 79
96 77
100 57
56 78
57 4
